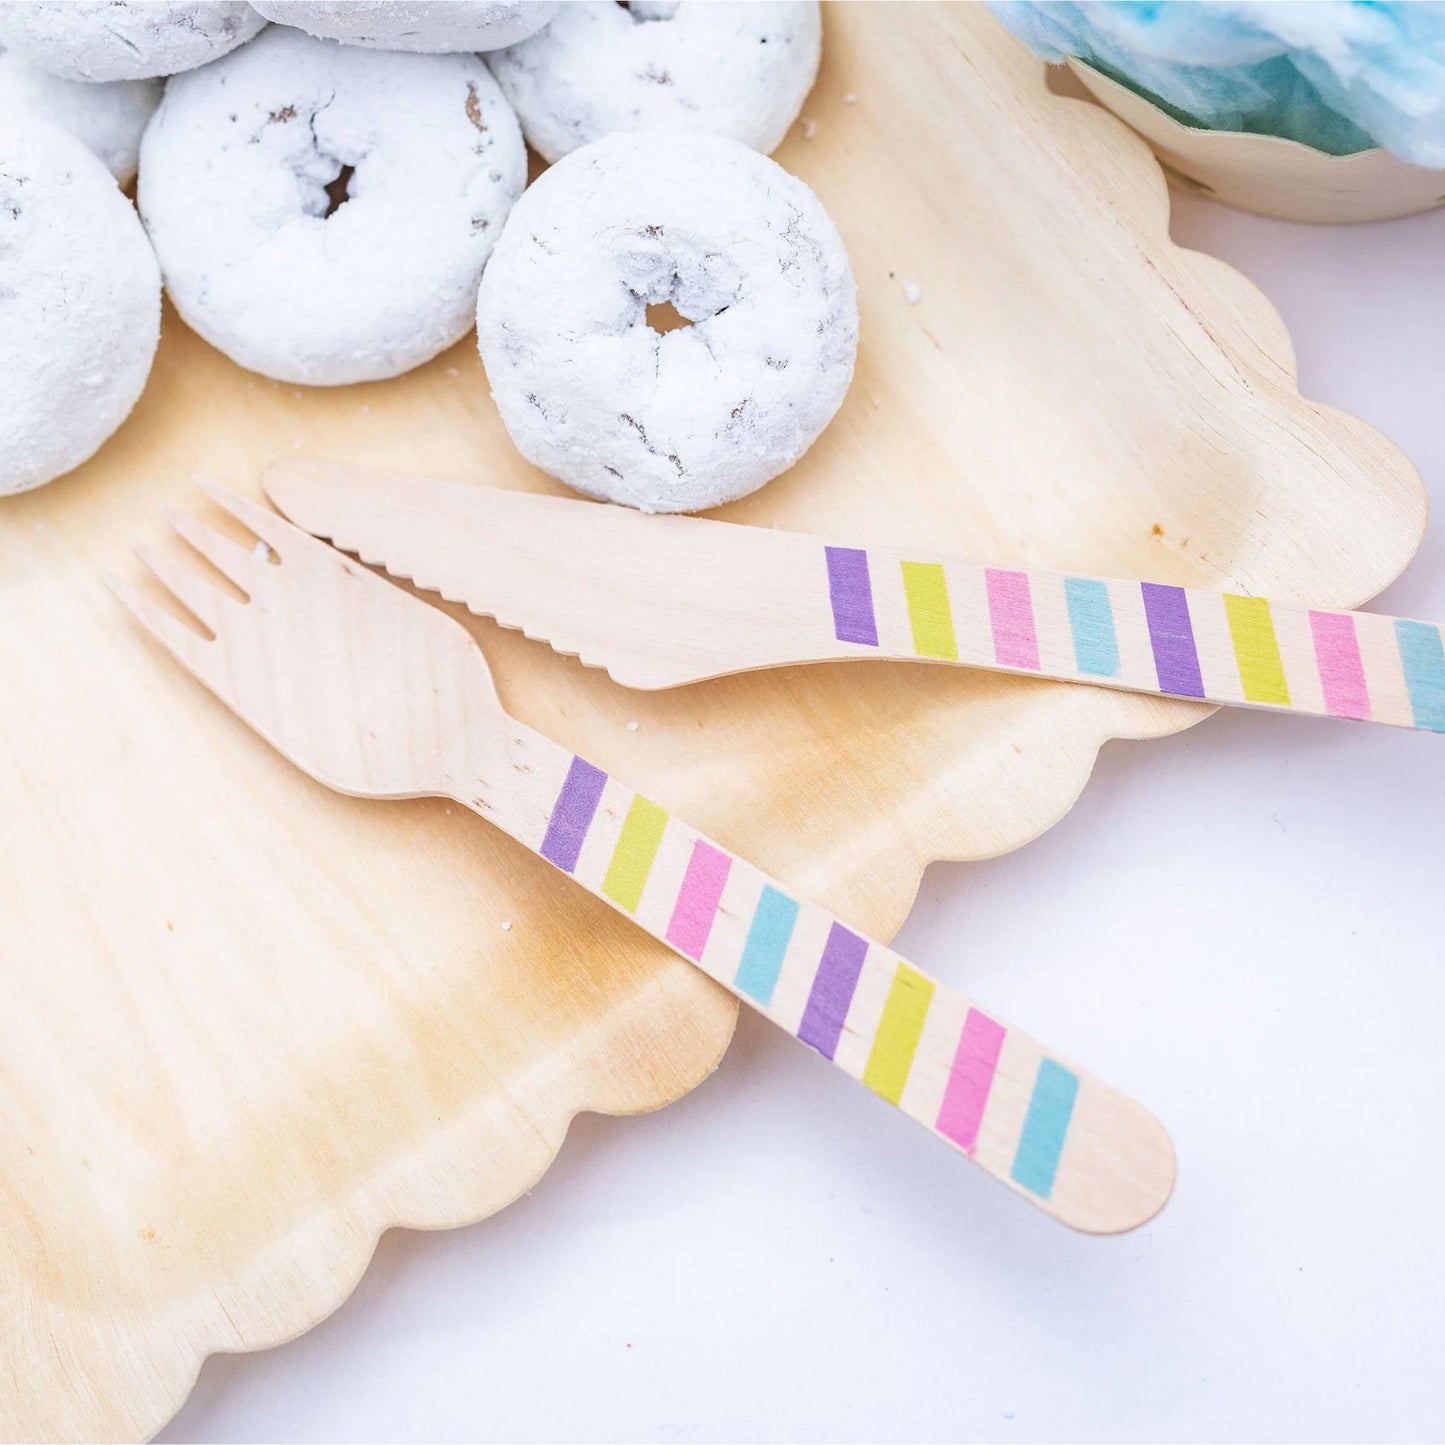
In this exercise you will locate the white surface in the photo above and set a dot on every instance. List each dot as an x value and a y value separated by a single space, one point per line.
1241 925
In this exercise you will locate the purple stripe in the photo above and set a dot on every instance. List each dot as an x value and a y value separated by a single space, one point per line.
572 814
832 991
1172 636
851 594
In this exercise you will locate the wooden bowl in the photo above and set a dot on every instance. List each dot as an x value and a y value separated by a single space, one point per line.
1268 174
247 1024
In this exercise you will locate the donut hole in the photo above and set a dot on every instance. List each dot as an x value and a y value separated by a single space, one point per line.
663 316
338 191
643 11
327 182
680 282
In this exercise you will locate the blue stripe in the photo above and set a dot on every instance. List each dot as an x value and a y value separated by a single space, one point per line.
1045 1128
1424 660
1091 618
768 936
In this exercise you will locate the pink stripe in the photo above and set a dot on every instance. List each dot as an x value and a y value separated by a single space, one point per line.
970 1080
696 906
1342 675
1011 613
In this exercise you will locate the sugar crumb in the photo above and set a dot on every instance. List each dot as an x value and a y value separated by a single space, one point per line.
506 925
850 99
261 552
633 726
912 291
810 129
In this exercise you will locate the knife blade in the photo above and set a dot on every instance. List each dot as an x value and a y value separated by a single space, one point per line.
657 601
661 601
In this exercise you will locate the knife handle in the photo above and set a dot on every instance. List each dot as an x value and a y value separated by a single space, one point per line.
1183 642
1077 1148
661 601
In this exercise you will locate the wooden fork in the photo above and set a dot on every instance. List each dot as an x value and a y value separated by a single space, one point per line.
375 693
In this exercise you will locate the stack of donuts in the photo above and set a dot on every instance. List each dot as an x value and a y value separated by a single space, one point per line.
335 191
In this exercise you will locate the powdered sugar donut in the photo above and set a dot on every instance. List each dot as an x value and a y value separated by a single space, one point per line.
433 26
80 305
124 39
736 69
233 187
108 116
700 415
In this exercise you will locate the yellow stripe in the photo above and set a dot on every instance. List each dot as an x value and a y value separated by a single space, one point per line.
635 850
898 1033
1252 630
928 610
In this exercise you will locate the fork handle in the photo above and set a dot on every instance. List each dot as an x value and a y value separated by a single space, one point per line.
1069 1143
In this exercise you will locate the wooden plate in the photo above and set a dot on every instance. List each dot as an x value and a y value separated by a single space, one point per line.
248 1024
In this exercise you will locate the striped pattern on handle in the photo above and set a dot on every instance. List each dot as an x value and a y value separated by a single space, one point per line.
1070 1143
1143 636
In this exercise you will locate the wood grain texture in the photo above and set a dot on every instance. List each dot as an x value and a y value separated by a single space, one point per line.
1268 174
379 695
248 1024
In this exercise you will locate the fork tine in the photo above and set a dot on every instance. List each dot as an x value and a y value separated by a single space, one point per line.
201 599
229 558
188 646
274 530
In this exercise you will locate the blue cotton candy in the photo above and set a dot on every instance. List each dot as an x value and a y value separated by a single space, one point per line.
1338 75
